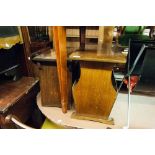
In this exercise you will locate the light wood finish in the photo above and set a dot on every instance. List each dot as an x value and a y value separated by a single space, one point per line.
76 115
55 115
108 34
50 32
142 110
94 56
105 39
100 37
59 35
94 93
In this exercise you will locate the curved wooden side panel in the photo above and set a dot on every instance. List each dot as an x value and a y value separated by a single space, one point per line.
94 94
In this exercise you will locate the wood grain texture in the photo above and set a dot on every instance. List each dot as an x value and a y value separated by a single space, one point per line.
105 39
49 85
10 92
94 94
97 57
100 37
94 118
55 115
48 55
59 35
19 99
108 34
27 50
49 82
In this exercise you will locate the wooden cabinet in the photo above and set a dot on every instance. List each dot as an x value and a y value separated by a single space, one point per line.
49 83
18 98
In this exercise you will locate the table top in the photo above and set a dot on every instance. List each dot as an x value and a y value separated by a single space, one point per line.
48 55
12 91
98 56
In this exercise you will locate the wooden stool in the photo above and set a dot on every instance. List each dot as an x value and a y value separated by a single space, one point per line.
94 93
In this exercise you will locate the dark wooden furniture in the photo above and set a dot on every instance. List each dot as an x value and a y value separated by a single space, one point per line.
17 98
82 37
49 83
27 51
94 93
39 37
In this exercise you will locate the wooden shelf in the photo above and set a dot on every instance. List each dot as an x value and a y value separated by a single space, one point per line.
13 91
77 36
73 37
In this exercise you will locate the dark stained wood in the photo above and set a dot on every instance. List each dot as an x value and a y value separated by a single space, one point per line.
27 51
48 55
59 35
82 37
49 83
38 45
18 98
10 92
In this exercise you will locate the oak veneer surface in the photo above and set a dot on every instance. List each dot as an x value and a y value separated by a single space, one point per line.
109 57
11 92
94 93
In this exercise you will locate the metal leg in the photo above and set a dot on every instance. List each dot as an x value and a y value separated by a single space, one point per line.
129 105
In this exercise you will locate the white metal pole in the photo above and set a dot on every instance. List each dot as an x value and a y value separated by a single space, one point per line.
129 105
